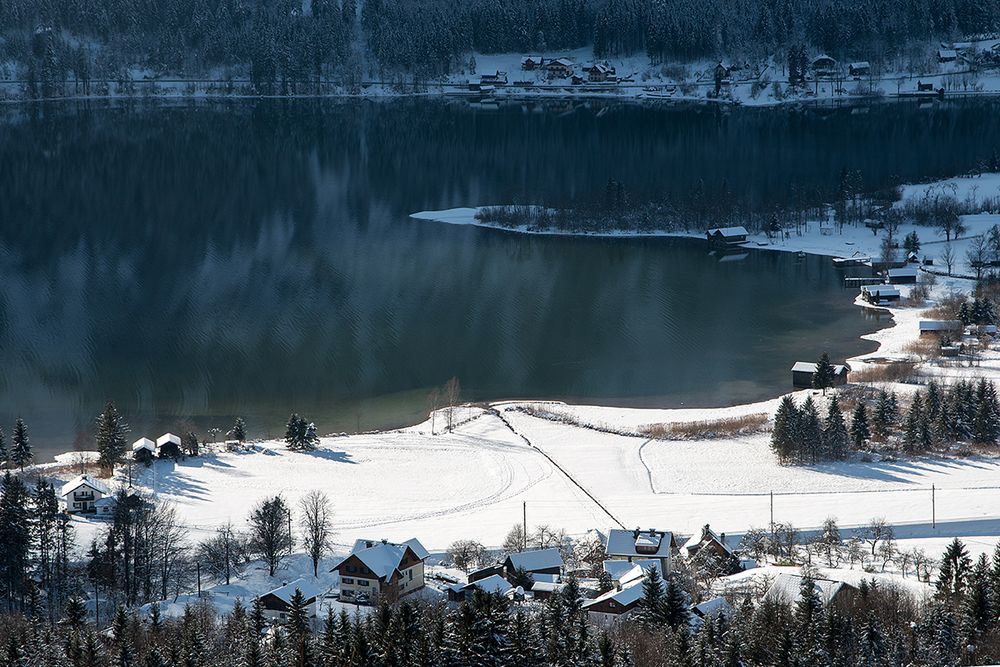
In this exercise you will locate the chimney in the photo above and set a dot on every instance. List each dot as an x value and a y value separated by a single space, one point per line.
705 532
652 532
385 541
635 534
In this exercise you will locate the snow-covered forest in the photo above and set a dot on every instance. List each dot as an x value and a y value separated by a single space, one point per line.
289 43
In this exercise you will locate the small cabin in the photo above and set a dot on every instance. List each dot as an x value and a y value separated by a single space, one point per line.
880 294
902 276
940 327
860 68
619 602
722 237
144 450
947 55
169 446
538 561
803 371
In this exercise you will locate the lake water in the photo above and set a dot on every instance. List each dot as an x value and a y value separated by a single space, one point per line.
198 261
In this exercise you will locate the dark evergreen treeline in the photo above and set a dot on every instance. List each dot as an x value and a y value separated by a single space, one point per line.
963 412
284 44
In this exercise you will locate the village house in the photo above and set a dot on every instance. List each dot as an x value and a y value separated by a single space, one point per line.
82 493
144 450
787 588
498 78
560 68
600 72
538 561
638 545
947 55
169 446
710 542
726 236
710 610
531 63
803 371
859 69
616 604
902 276
880 294
823 65
491 584
375 569
940 327
278 603
623 571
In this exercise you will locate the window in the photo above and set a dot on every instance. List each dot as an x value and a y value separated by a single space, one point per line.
352 569
347 580
363 582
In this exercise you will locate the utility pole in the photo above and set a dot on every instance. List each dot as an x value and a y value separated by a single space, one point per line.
933 506
524 533
197 567
772 512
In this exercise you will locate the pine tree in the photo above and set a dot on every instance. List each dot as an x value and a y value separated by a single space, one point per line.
121 644
859 426
651 606
15 538
300 434
239 431
20 445
676 609
954 572
914 422
986 424
836 439
111 432
810 431
978 605
824 374
783 437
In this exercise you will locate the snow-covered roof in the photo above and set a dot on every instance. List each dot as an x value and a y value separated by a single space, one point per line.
714 607
106 501
707 533
143 443
860 64
940 325
539 559
880 289
383 558
947 53
729 231
565 62
310 589
788 588
168 437
629 594
83 480
901 272
810 367
491 584
622 571
822 58
635 543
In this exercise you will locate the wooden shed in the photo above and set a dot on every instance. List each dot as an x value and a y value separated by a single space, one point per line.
803 371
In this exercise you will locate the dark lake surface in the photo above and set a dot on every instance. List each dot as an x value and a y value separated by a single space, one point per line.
199 261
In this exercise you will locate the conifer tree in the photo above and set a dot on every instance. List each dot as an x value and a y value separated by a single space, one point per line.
20 445
676 611
859 426
783 438
15 538
810 431
4 456
111 432
824 374
914 422
651 605
836 439
979 612
239 431
986 423
953 573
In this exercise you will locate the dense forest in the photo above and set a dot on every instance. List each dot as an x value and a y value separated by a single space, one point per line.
285 44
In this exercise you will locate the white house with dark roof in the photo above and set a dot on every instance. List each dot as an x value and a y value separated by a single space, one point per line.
538 561
649 544
81 493
379 568
278 602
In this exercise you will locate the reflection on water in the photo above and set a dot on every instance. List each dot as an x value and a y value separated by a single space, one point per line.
194 263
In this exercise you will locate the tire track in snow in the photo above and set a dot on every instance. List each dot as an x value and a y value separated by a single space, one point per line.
559 468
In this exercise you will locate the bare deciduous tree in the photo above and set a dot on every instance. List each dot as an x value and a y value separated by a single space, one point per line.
223 553
452 394
466 554
317 515
948 257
